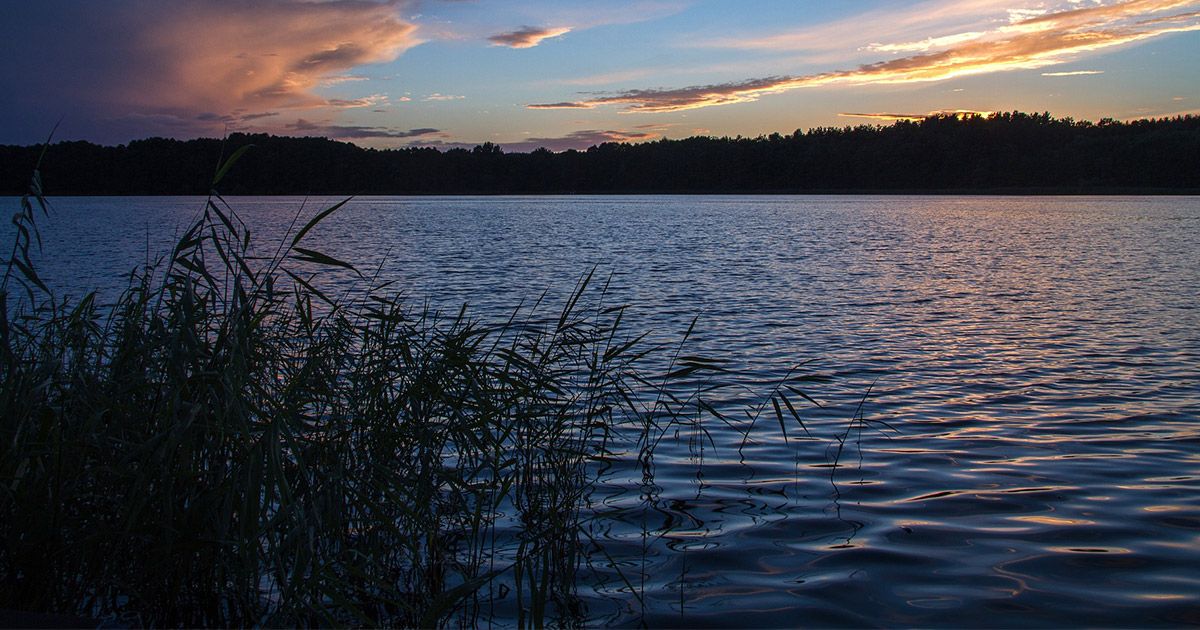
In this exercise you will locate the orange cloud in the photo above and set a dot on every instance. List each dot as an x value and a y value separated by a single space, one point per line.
222 57
1030 43
1073 73
527 37
873 26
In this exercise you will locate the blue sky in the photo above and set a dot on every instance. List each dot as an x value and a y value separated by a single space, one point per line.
570 74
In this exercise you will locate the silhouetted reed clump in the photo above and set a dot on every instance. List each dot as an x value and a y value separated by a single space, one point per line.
228 445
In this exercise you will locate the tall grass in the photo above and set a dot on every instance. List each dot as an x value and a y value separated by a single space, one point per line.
226 444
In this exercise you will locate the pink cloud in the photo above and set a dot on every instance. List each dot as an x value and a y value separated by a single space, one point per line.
222 56
527 37
1036 42
862 28
1073 73
192 67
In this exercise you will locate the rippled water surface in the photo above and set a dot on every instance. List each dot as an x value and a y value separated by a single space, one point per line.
1039 359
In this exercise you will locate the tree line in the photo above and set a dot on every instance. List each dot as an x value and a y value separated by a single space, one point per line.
1005 152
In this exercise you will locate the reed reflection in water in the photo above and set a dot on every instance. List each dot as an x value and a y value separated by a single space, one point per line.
1037 357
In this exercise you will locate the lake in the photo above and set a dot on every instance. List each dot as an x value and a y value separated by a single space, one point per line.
1037 357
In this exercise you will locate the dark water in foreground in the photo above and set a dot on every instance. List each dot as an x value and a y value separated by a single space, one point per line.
1039 358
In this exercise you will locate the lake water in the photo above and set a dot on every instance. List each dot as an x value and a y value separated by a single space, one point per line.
1039 358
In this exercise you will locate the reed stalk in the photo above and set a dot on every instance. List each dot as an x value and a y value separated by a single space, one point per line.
226 444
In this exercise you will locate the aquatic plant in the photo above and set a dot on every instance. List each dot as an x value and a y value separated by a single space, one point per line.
229 444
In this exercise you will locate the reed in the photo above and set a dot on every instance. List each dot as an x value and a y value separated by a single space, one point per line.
226 444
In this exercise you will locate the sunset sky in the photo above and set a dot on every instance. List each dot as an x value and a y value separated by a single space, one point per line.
566 74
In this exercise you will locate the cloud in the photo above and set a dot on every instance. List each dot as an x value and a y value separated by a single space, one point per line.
255 55
1171 114
440 144
180 59
342 78
664 100
871 26
356 132
1016 16
1037 42
249 117
562 105
927 43
232 120
1073 73
587 15
884 116
374 100
443 97
579 140
958 113
562 17
527 37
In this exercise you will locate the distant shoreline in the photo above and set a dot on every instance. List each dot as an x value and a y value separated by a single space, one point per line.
1005 154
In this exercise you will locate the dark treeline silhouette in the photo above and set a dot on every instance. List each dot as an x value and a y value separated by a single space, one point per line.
1008 152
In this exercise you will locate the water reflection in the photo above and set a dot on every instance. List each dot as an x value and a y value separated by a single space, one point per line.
1038 358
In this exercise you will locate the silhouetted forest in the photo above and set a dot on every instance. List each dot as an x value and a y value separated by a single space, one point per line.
1008 152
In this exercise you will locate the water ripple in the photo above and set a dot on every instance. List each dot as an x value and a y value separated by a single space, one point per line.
1040 358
